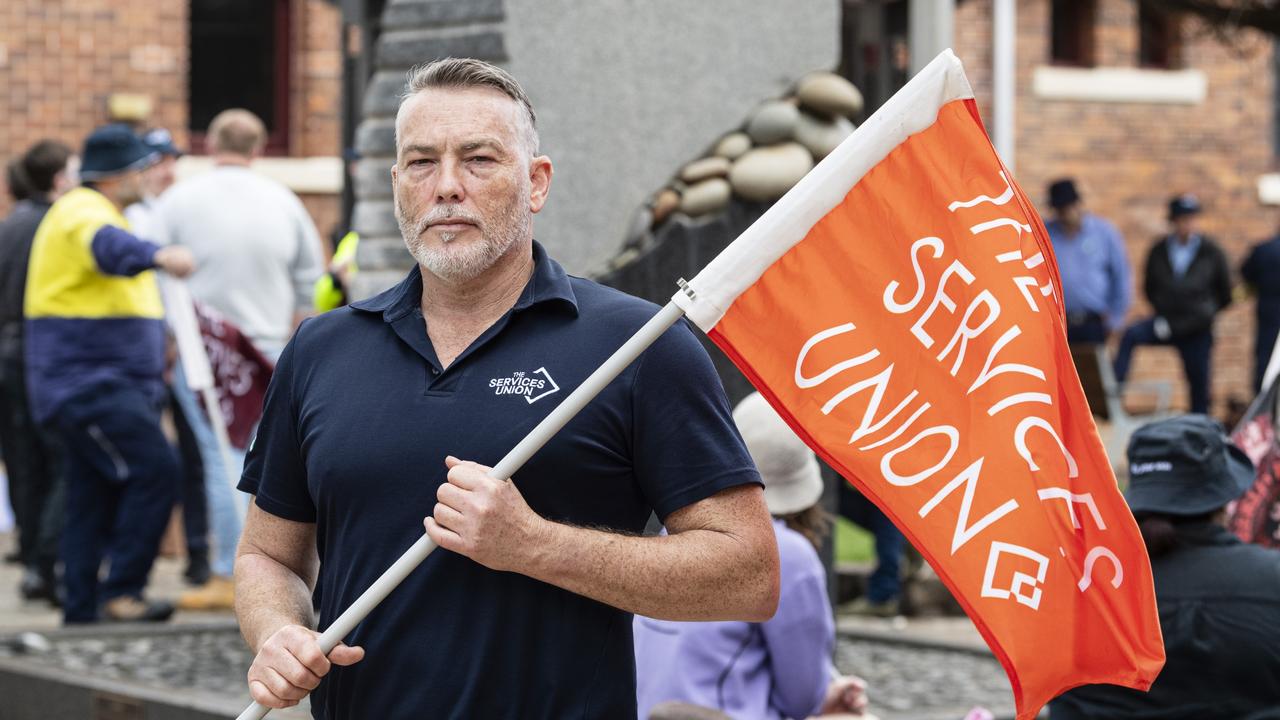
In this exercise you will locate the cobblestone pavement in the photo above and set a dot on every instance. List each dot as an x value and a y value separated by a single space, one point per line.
906 681
910 682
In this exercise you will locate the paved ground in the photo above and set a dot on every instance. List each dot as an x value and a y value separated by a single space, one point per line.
957 632
17 614
983 682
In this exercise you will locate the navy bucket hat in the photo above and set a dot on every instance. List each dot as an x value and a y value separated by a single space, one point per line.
1063 193
113 149
1185 466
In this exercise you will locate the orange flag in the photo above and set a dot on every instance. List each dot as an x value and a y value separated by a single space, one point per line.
900 307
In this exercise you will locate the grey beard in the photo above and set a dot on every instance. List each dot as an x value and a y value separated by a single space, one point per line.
465 262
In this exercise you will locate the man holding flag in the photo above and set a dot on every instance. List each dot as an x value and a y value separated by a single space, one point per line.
899 308
372 405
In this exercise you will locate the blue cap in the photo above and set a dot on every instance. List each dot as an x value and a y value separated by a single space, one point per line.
161 141
111 150
1185 204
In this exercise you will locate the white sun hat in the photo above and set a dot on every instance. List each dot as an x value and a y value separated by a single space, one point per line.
792 478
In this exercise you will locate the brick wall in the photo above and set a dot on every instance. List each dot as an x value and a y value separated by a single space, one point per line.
316 113
61 59
316 120
1129 158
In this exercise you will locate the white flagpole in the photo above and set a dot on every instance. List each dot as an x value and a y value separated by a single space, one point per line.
196 368
1273 366
505 468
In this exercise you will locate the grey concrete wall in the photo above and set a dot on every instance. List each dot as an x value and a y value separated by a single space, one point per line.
626 91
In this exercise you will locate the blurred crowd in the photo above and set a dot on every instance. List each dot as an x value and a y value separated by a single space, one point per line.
102 429
1186 278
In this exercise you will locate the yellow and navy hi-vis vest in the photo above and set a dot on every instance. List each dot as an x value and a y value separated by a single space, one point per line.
93 310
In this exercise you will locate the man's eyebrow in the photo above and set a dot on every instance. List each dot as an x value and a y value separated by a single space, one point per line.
482 143
467 146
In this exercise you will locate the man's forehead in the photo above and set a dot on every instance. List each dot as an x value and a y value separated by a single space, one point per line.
457 108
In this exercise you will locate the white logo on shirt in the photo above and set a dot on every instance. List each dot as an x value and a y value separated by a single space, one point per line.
528 385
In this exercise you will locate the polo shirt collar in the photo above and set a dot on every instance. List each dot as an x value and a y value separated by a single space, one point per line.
549 284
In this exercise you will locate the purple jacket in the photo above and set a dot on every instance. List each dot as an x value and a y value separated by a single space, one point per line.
775 669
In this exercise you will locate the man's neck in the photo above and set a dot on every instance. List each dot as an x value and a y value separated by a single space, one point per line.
486 297
231 160
105 192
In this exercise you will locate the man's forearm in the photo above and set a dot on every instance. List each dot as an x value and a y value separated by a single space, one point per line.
268 597
692 575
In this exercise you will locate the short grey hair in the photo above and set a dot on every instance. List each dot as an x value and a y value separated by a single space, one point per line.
461 73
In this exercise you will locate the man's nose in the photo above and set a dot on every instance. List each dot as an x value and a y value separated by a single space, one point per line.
449 186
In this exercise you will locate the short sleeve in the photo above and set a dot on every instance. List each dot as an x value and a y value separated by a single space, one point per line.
684 443
274 470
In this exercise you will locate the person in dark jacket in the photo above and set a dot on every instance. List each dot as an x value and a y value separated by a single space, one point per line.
1262 271
1187 282
1218 598
36 178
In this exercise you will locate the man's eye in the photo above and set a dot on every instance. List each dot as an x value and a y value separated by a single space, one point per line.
421 162
480 159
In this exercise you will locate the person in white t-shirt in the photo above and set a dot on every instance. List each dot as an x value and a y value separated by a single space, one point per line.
259 256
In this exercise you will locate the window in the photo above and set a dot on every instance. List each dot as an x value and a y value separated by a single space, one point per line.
1158 37
240 58
1071 32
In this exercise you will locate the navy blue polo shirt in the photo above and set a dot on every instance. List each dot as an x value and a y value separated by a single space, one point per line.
358 420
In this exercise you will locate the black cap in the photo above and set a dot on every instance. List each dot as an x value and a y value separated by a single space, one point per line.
159 140
111 150
1185 466
1062 193
1185 204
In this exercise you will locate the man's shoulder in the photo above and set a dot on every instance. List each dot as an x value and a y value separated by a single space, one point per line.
79 208
1260 564
330 331
608 313
1101 225
1210 246
220 180
597 301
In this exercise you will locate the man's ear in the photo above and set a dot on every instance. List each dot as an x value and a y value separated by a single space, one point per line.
540 172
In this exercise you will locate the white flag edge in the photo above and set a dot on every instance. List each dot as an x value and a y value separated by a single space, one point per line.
911 110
